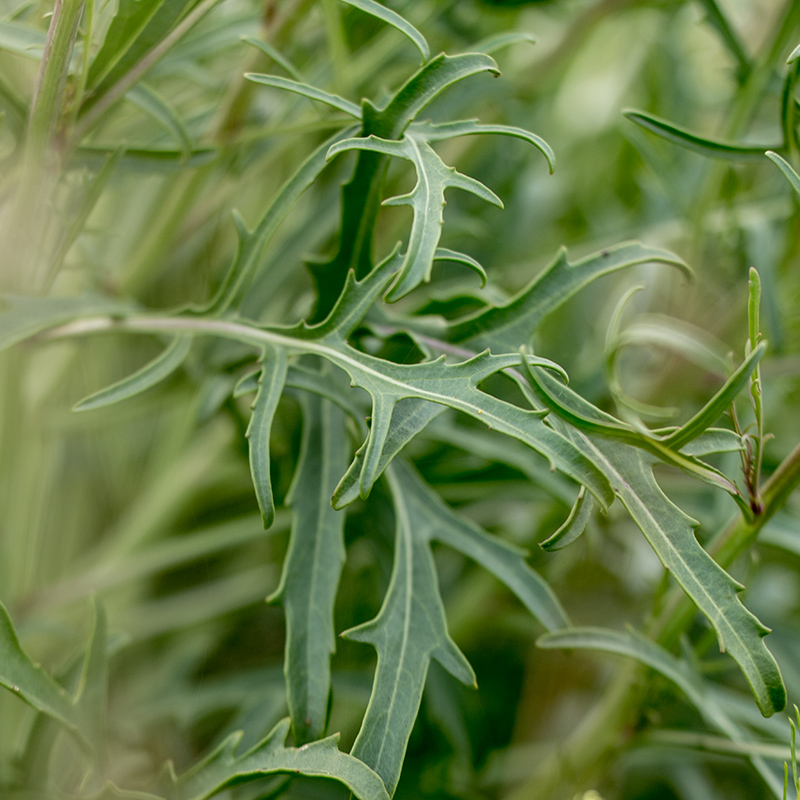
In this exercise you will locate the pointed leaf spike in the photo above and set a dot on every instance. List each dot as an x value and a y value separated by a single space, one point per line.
396 21
270 388
306 90
573 526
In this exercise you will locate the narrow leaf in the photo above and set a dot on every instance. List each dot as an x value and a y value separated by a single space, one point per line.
408 632
633 645
443 254
573 526
307 91
312 568
433 132
30 682
504 328
162 112
224 768
276 56
396 21
499 41
148 376
786 168
505 561
699 144
270 388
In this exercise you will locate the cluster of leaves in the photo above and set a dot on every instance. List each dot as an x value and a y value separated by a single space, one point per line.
334 405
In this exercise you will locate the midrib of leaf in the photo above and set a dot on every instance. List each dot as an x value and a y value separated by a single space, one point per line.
363 364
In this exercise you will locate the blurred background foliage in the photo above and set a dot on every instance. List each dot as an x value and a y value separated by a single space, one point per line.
149 505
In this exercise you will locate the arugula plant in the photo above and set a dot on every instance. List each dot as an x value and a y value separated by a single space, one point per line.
331 397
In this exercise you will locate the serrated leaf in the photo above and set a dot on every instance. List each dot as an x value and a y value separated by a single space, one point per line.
426 200
504 328
30 682
135 29
670 533
435 132
224 768
573 526
786 168
505 561
304 89
633 645
140 381
361 195
408 632
698 144
312 568
270 388
455 385
395 20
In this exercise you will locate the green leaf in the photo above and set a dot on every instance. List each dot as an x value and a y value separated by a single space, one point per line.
144 159
455 385
306 91
276 56
396 21
573 526
633 645
499 41
718 404
92 695
670 533
136 28
162 112
361 196
224 768
251 244
22 317
505 561
435 132
270 387
30 682
506 327
408 632
698 144
312 568
22 40
786 168
443 254
140 381
426 200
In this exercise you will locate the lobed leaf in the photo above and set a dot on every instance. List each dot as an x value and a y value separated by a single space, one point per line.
408 632
426 200
312 567
224 768
140 381
505 561
270 388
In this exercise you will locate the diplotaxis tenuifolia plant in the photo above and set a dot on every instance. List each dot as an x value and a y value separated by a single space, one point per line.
200 411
